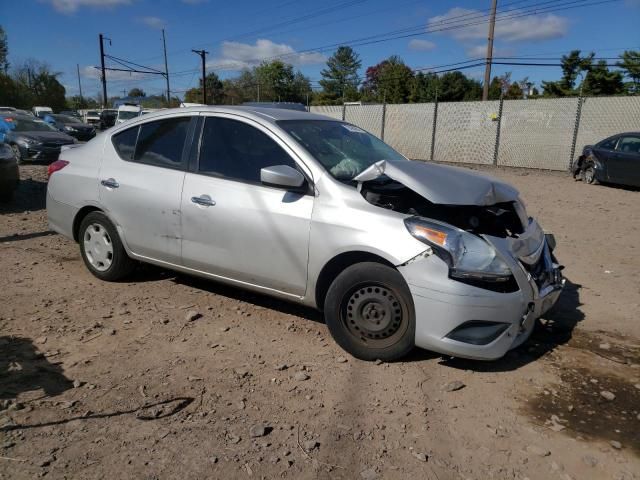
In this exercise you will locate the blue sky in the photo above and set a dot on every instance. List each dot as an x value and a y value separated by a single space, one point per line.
65 33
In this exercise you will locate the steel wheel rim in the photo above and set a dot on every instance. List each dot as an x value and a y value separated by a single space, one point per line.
588 175
373 315
98 247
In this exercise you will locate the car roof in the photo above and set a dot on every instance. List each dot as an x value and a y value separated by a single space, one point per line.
268 114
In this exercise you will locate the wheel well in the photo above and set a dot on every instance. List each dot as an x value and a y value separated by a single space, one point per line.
83 212
336 265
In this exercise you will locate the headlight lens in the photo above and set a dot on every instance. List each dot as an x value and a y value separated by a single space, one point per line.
467 255
69 128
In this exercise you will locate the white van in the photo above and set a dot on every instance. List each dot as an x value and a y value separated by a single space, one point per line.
127 112
40 112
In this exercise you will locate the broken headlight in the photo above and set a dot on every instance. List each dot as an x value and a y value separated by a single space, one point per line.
469 256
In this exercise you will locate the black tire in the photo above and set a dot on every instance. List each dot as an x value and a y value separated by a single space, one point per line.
112 269
370 312
589 174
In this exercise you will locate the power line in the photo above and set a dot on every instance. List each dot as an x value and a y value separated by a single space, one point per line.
442 26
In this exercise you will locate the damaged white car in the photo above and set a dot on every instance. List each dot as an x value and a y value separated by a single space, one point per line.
397 253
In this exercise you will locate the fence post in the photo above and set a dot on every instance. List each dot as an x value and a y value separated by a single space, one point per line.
433 130
575 131
384 116
344 111
497 147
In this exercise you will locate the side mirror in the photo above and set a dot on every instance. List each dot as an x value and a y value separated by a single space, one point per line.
282 176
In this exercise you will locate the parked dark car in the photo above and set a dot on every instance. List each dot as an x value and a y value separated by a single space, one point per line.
9 175
31 138
613 160
108 118
71 126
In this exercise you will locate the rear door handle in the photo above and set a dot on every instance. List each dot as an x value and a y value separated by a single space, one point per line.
110 183
204 200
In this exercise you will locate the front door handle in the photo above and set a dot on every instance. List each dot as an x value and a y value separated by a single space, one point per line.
204 200
110 183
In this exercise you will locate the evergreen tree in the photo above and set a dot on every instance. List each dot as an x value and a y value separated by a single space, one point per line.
630 63
340 79
602 81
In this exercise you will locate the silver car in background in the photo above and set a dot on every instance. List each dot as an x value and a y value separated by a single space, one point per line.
397 253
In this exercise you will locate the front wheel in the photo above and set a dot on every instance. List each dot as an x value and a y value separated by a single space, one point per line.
589 174
369 312
16 152
102 250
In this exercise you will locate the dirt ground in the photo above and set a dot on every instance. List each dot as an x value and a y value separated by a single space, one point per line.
102 380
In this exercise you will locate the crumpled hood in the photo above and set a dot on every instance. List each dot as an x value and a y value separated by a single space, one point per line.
443 184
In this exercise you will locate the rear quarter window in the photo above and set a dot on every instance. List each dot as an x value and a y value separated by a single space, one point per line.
125 143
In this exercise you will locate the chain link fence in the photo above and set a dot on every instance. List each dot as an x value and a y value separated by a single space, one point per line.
541 133
537 133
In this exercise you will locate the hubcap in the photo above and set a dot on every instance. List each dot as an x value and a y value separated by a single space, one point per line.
98 247
373 315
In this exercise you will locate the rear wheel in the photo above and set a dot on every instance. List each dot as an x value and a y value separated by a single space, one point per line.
370 313
102 250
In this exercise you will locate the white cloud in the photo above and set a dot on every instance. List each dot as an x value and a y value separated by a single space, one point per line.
538 27
154 22
237 55
94 73
421 45
70 6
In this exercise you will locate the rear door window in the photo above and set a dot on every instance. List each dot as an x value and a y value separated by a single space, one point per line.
161 142
238 151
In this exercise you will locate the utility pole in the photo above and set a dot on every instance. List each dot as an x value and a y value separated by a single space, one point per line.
203 55
104 74
79 85
487 68
166 68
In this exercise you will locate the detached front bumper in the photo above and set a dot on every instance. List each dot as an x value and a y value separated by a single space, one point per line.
461 320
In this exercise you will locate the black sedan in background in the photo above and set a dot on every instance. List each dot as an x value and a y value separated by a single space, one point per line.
71 126
9 175
32 139
613 160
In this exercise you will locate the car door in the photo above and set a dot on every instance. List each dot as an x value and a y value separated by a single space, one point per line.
625 164
232 225
141 179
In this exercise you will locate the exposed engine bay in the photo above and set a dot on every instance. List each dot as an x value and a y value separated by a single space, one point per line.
500 220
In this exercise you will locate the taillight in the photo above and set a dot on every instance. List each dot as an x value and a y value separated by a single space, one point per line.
55 166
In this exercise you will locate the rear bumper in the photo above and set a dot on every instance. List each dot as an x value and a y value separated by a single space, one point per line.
60 216
499 321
